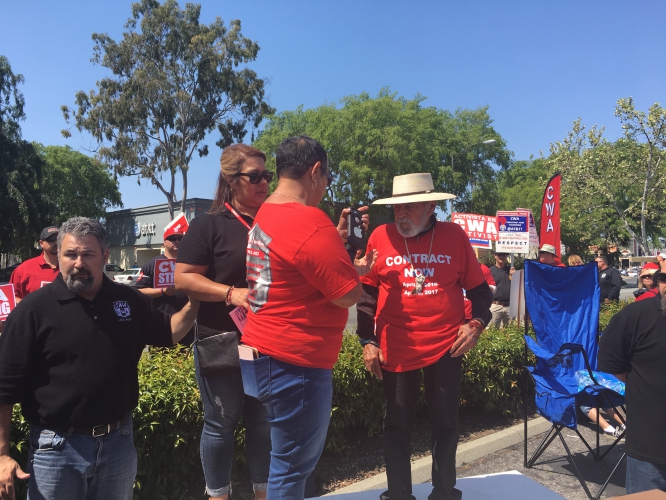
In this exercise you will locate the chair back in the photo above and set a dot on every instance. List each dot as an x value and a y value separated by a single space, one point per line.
563 304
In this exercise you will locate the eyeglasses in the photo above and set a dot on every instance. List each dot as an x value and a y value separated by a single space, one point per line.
647 277
255 177
51 239
174 238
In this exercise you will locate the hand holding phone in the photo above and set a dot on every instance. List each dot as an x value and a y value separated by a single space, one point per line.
355 231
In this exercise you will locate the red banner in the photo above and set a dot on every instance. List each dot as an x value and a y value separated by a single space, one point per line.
550 214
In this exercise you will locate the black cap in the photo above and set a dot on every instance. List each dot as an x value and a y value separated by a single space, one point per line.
48 231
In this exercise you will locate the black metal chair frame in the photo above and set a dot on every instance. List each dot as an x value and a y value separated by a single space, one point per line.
556 429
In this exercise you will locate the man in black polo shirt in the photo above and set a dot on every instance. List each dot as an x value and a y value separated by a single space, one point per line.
633 347
610 281
501 272
69 355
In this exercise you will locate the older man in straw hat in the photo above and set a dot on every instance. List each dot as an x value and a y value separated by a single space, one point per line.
411 319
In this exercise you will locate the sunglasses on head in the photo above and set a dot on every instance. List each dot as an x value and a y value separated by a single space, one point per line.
174 238
51 239
255 177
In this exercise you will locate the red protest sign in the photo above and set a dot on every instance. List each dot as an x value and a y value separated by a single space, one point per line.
477 227
7 300
164 273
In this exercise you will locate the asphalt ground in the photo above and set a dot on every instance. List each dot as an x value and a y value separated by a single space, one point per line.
503 452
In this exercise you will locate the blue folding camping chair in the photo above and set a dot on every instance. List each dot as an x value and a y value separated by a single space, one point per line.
563 305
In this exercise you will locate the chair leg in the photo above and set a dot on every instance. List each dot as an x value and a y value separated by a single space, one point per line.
545 443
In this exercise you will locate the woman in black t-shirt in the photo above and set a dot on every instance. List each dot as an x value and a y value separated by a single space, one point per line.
211 268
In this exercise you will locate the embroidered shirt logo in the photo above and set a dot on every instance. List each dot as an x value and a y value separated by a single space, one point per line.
122 308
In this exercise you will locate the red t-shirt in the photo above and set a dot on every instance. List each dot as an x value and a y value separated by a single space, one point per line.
31 275
296 264
416 330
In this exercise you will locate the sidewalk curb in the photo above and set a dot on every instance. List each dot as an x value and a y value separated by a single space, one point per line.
467 452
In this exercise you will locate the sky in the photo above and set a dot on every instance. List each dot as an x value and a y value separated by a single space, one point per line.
538 65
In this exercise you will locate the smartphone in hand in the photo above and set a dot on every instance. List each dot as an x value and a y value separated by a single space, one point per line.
355 231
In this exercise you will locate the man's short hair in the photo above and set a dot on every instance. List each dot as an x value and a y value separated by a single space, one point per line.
297 154
80 227
603 259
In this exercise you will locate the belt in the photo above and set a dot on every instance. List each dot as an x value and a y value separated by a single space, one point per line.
504 304
96 431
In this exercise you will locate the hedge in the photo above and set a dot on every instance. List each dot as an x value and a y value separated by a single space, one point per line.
168 418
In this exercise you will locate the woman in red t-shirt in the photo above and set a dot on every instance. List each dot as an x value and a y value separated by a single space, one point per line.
301 283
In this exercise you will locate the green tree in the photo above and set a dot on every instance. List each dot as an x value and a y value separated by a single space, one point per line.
616 189
20 171
371 140
74 184
174 81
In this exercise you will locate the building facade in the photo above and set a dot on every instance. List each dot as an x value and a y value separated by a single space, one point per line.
136 234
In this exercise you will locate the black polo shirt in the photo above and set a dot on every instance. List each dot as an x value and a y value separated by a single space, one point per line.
502 283
635 341
71 362
610 283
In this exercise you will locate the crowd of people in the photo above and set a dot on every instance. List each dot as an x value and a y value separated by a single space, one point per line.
69 351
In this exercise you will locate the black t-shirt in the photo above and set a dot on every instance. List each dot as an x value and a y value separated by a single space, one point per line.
610 283
218 241
502 282
635 341
71 362
165 303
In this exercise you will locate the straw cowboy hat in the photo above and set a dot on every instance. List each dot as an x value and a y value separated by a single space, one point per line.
412 188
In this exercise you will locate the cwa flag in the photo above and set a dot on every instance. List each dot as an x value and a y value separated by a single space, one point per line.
550 213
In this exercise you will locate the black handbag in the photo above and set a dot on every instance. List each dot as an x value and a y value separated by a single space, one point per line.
217 352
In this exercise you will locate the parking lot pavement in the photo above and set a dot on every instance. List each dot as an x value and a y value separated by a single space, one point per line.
553 470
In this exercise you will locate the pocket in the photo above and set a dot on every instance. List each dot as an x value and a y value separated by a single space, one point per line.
44 440
256 377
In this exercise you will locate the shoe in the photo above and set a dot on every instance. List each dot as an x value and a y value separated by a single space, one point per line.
619 431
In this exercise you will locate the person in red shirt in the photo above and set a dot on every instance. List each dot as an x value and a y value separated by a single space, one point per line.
301 283
647 282
34 273
411 321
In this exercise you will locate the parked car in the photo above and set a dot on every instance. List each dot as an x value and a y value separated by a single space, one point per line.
6 273
632 272
129 277
624 272
111 270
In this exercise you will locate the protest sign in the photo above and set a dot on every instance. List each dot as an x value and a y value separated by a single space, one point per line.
239 315
163 276
7 300
477 227
534 235
513 232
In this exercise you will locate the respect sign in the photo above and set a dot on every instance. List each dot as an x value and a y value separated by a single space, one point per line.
513 229
163 276
7 300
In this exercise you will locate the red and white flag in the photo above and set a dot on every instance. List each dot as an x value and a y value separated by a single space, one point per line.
550 213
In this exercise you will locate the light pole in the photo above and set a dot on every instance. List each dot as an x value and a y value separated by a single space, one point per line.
488 142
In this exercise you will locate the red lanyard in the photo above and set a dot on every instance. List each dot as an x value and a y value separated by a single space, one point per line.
231 209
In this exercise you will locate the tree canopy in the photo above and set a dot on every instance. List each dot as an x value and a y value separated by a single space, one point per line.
174 81
371 140
20 171
74 184
615 190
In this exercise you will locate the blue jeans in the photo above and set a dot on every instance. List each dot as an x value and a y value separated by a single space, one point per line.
298 400
65 465
644 476
224 403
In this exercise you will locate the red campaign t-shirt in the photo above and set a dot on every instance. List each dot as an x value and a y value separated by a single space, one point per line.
31 275
296 264
416 330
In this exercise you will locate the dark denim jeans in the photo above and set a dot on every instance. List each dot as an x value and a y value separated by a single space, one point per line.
644 476
298 400
442 391
65 465
224 403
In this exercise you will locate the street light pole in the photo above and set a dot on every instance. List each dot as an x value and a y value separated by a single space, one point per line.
488 142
